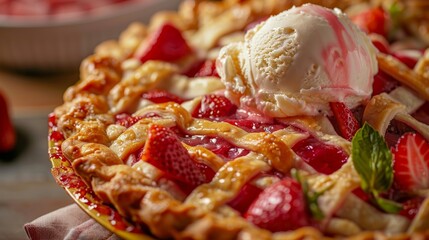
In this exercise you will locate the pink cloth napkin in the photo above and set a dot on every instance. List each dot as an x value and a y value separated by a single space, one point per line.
69 223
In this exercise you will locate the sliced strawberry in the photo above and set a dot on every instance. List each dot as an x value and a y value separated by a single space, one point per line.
166 44
245 197
411 207
383 83
208 69
126 120
360 193
214 106
408 57
411 162
161 96
347 123
322 157
164 150
380 43
280 207
374 20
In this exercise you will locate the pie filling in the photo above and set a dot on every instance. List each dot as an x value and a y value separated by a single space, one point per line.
172 142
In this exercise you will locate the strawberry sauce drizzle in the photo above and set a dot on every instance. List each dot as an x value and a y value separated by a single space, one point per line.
336 61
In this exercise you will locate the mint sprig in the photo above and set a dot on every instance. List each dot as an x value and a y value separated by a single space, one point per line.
310 196
372 160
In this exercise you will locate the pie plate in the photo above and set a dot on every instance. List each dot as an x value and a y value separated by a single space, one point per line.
84 197
61 44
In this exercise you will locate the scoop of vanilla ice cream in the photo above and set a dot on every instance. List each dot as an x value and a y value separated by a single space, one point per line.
298 61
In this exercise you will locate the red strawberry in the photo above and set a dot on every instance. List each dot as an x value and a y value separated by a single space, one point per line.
7 136
360 193
126 120
161 96
280 207
164 150
380 43
408 57
374 20
347 123
411 207
214 106
208 69
324 158
166 44
383 83
411 162
245 197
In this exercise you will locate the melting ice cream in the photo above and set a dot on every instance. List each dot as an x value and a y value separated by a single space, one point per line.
298 61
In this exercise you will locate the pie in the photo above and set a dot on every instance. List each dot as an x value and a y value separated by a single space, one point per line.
220 122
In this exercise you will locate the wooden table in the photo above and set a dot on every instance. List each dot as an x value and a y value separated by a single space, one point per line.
27 189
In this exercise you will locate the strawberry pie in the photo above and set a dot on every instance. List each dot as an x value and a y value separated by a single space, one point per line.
248 120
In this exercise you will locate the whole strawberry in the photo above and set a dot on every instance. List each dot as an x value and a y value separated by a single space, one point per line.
374 20
7 136
280 207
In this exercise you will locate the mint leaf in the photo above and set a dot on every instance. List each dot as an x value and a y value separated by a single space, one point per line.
311 197
388 205
313 206
372 160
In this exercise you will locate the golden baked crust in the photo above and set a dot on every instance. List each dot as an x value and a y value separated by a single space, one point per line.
112 82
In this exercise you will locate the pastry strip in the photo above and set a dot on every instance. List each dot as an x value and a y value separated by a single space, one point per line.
227 182
403 74
369 218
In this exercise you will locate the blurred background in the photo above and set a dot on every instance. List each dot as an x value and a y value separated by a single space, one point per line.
42 43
